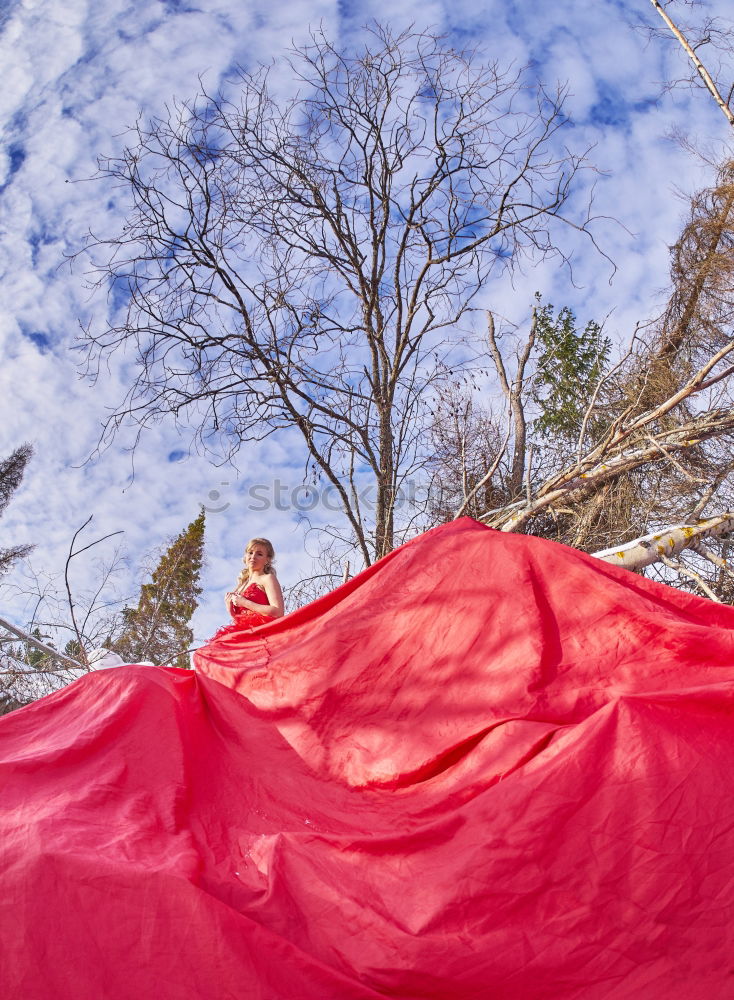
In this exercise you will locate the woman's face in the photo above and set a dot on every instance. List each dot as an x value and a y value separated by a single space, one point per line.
256 558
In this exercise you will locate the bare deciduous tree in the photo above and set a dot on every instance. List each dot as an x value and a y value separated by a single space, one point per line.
714 32
465 441
303 263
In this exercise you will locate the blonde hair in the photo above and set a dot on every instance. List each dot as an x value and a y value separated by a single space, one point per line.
268 568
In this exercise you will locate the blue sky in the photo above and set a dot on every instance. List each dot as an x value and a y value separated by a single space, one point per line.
77 74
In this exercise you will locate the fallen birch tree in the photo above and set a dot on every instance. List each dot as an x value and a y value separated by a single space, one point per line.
661 545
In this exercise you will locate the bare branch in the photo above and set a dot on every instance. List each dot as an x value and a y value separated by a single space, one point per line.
700 68
72 613
680 567
485 478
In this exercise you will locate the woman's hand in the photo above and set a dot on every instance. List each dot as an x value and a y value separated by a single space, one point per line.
238 601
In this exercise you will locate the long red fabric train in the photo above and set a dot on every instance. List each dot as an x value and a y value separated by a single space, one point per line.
488 767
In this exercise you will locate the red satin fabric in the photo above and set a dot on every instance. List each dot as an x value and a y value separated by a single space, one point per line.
488 767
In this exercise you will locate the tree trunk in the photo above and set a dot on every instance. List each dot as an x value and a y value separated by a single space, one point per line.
659 545
385 501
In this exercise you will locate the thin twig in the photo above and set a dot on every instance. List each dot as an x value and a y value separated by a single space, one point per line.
678 566
70 599
673 461
487 476
712 557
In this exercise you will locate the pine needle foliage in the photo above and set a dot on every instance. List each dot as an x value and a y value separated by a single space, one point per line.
569 365
158 628
11 475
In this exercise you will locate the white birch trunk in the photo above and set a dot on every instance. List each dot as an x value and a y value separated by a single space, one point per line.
661 545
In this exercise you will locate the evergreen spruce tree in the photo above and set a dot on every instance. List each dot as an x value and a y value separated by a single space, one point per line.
158 628
569 365
33 656
11 474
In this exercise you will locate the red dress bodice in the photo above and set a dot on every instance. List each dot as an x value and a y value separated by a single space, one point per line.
244 618
257 595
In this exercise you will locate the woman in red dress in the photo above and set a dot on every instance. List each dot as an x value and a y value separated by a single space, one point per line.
257 597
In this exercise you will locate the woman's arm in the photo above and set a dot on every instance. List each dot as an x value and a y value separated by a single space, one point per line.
275 596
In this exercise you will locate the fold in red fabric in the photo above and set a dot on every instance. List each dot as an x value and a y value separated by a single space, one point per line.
488 767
